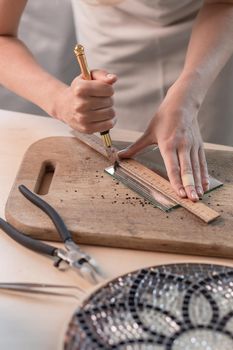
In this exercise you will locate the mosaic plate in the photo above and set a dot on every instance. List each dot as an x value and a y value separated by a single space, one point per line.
168 307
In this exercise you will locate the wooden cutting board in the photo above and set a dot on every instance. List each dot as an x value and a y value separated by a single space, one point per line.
101 211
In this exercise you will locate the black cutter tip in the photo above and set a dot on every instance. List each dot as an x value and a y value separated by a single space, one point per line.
115 165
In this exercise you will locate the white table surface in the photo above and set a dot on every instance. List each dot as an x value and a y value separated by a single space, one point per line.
29 322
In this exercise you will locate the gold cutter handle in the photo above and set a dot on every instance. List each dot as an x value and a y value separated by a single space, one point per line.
81 58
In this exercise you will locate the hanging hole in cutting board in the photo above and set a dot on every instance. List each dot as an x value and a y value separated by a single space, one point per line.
45 178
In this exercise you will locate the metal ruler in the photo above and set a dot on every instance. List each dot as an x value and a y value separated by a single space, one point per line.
146 182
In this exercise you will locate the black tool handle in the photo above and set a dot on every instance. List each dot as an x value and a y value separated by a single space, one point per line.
54 216
27 241
104 132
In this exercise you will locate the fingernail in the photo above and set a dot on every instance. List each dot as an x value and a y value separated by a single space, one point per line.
182 192
200 191
207 185
194 195
119 153
110 76
122 153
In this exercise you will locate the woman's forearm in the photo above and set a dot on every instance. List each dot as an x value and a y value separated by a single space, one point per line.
19 72
86 106
210 47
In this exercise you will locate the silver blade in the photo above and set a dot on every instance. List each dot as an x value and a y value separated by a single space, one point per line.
87 272
75 255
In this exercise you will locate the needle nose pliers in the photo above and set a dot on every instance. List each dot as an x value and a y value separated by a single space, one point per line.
84 264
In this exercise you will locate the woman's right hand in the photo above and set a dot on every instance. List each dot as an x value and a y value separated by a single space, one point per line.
87 105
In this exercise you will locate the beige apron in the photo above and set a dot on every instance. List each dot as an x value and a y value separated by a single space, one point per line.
144 43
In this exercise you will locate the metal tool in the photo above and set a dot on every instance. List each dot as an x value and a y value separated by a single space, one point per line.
105 135
57 290
72 256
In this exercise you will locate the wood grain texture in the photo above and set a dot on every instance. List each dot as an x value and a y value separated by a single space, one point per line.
99 210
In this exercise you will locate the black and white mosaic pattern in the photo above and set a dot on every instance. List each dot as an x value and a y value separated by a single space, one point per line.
169 307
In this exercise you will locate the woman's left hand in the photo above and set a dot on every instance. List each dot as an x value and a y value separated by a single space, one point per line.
176 131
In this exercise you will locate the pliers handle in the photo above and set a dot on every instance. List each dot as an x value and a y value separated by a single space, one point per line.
27 241
73 256
50 211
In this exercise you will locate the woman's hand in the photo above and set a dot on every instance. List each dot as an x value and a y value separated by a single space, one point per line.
175 129
87 105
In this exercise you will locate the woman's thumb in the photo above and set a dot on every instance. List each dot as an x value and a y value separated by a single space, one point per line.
104 76
136 147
